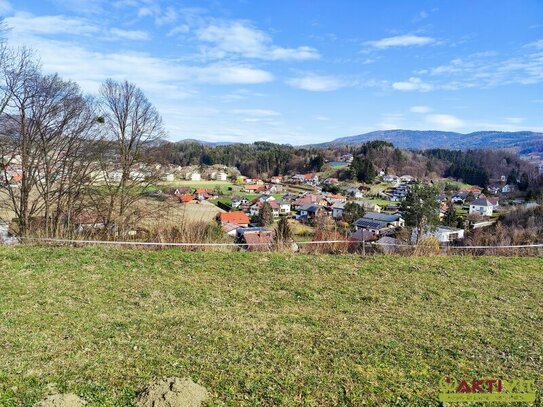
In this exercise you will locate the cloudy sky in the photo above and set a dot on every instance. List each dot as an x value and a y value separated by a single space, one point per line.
301 71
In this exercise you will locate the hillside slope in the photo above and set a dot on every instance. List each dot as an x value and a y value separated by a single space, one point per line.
263 329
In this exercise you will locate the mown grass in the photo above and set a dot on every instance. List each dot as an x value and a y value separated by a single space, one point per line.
263 329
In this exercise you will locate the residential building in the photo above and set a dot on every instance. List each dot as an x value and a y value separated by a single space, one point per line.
239 218
255 239
447 234
481 206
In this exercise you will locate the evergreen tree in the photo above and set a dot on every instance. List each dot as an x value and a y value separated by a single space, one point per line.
265 215
451 218
316 163
421 207
524 182
283 233
363 170
352 211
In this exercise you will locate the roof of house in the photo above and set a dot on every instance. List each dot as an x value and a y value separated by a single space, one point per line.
482 202
493 201
229 227
368 223
185 198
253 187
382 217
238 218
258 240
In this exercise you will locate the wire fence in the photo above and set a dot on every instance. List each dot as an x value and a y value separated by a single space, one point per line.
535 249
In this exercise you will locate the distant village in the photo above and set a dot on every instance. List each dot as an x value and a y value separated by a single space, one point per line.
304 199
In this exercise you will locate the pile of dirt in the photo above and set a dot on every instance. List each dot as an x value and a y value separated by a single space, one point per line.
172 392
61 400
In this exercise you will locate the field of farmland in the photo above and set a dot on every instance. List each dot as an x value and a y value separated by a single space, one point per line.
263 329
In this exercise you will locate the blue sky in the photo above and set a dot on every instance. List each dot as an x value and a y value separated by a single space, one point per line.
301 71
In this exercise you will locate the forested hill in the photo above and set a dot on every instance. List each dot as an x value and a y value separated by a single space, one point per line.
264 159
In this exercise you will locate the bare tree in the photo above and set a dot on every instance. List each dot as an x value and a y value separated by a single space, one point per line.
19 90
132 124
66 135
46 129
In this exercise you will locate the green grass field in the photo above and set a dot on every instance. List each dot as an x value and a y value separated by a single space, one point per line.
263 329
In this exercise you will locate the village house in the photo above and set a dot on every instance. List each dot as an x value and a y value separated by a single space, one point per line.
445 234
481 206
284 208
238 201
309 199
506 189
372 226
253 189
309 212
354 192
276 179
391 179
495 202
331 181
274 188
369 206
311 179
238 218
180 191
193 176
185 198
337 210
375 221
407 178
255 239
221 176
203 194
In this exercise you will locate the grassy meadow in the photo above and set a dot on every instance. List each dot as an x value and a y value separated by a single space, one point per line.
263 329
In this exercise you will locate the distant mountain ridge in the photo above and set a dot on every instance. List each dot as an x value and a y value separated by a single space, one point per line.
523 142
206 143
425 139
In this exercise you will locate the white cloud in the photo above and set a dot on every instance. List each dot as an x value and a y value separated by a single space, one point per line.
401 41
444 121
5 7
241 39
134 35
180 29
256 112
487 69
413 84
317 83
536 44
514 120
26 23
420 109
231 74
